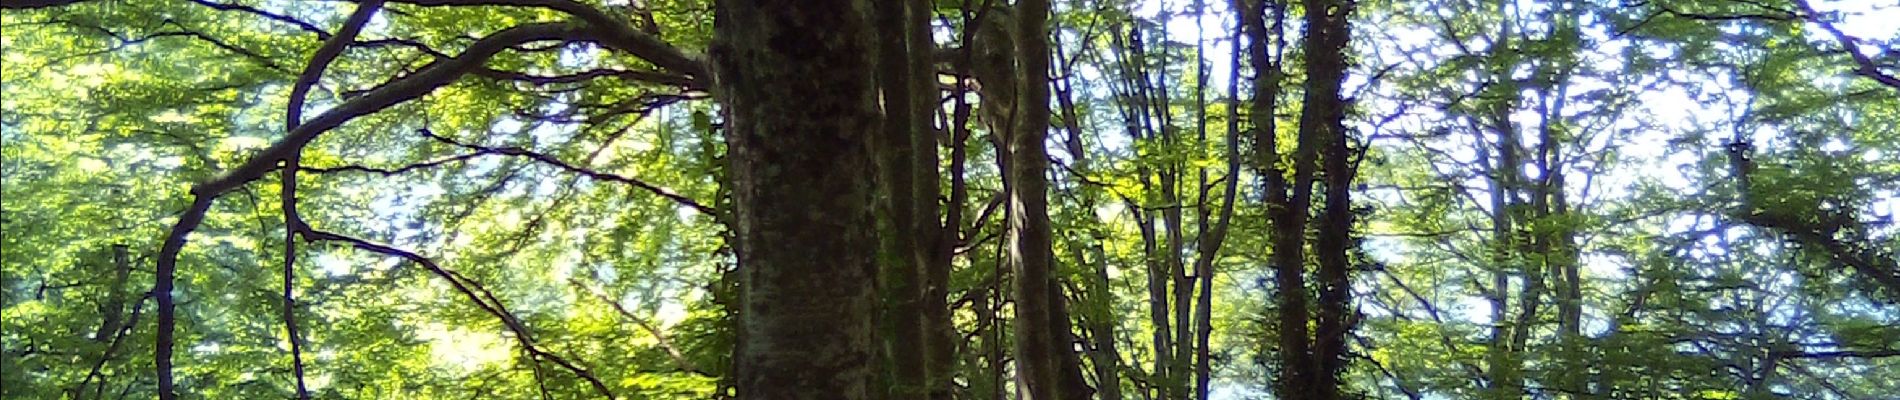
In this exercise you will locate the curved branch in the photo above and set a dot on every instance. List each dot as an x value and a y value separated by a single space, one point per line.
475 293
395 171
167 265
300 24
430 77
325 54
433 76
293 224
613 32
584 76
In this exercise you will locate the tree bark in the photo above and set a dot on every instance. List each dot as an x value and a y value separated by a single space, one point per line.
798 85
1328 31
1285 223
910 219
1044 361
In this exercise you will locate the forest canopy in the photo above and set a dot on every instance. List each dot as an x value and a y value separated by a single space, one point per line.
950 199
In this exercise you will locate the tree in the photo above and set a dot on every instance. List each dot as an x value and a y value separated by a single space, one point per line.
954 199
798 192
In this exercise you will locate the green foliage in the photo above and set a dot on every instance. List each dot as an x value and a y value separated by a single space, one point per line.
114 109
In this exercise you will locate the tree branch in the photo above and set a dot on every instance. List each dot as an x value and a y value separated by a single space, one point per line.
583 76
1866 66
293 224
557 163
433 76
300 24
481 297
612 31
395 171
665 343
1837 354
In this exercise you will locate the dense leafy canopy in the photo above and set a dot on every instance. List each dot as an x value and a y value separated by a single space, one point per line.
1549 199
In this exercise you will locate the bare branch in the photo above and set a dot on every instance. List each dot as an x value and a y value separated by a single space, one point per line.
631 75
300 24
665 343
293 224
429 78
475 293
394 171
669 194
1867 66
1837 354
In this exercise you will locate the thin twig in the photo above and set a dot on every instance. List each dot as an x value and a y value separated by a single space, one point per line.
481 296
669 194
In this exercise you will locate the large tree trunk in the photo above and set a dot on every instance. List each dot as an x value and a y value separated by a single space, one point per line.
797 85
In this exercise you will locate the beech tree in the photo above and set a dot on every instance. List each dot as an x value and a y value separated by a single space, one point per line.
948 199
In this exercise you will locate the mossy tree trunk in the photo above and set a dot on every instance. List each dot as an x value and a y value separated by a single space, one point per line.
797 83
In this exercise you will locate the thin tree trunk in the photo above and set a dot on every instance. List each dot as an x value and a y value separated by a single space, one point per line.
1043 359
937 247
1108 361
1105 353
1502 357
1499 358
950 236
991 50
1284 219
1170 179
1204 268
1297 378
917 263
902 318
1322 123
801 115
1141 117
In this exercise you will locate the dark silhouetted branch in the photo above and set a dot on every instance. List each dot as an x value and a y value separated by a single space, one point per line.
610 30
33 4
398 170
1837 354
300 24
1865 66
638 76
293 224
